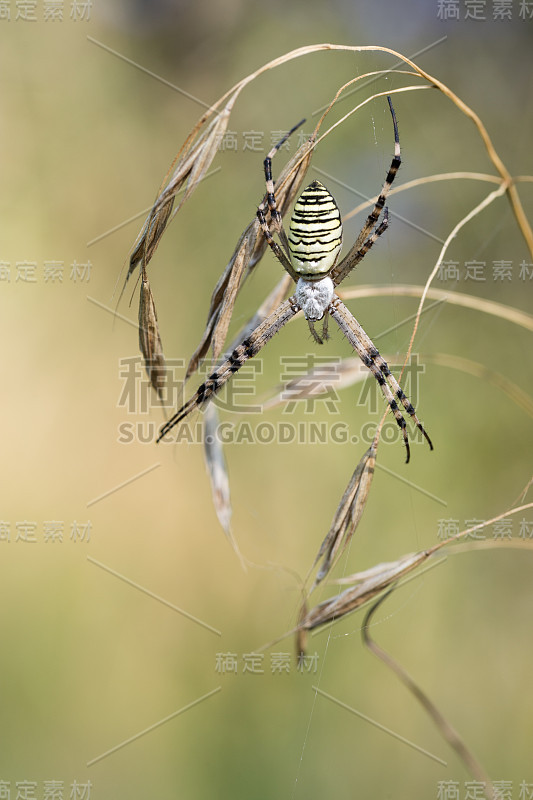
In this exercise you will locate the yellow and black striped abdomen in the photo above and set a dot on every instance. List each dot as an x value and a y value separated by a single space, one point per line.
315 232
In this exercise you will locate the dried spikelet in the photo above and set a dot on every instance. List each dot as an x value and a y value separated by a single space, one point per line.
227 287
271 302
191 166
367 585
348 514
149 338
248 252
150 235
371 582
225 309
218 475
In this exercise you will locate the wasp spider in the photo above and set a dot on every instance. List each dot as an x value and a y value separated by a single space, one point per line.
309 254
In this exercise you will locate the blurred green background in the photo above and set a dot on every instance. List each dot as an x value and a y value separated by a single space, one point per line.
88 660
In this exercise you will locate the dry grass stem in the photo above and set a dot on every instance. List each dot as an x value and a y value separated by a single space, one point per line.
196 155
444 727
455 298
506 178
417 182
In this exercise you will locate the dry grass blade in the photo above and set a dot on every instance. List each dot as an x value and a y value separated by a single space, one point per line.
523 494
248 252
507 181
367 587
149 338
218 475
348 514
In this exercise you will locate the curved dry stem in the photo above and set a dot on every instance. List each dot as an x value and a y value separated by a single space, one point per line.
448 732
473 368
200 147
500 310
367 100
489 544
507 181
463 534
525 490
445 176
475 211
281 183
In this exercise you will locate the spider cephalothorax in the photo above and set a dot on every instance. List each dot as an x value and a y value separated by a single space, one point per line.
310 255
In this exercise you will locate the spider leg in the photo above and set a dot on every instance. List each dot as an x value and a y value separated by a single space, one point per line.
271 197
351 259
316 337
278 252
339 273
248 348
372 359
283 255
325 334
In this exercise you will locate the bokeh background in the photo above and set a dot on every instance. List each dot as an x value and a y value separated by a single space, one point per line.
88 659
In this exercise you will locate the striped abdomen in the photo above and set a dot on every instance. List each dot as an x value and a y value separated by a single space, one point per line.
315 232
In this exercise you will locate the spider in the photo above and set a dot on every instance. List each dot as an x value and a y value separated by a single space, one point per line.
309 254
